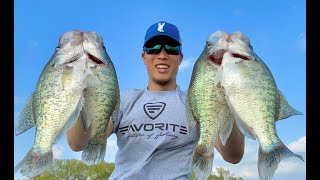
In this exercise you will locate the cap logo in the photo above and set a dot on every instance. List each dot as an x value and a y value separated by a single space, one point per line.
160 27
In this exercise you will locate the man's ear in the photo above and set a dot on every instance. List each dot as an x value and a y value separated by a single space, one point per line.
181 57
142 55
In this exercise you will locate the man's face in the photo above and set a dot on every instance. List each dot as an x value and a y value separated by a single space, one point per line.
162 68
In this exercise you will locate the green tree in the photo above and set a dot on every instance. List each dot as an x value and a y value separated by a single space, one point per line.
70 169
65 169
100 171
222 174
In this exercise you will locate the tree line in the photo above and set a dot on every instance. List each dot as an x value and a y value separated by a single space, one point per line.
73 169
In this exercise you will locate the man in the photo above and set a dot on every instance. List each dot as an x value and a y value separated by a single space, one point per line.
151 123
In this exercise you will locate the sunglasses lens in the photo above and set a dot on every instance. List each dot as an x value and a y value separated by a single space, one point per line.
154 50
171 50
174 50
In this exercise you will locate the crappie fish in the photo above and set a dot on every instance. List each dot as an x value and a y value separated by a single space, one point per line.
255 101
206 105
57 100
101 100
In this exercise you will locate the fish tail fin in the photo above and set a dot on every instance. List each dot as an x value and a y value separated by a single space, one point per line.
94 153
34 163
202 162
269 160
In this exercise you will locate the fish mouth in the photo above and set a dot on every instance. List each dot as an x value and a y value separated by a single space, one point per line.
91 57
240 56
216 57
95 59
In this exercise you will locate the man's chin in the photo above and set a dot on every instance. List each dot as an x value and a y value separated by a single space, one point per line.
161 82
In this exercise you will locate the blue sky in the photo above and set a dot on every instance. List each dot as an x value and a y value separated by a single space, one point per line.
277 31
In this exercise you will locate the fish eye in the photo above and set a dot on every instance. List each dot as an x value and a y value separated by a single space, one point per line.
58 47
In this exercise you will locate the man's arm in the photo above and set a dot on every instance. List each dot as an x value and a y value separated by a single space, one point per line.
78 138
234 148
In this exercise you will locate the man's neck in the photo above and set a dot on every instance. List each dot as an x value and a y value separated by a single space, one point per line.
161 87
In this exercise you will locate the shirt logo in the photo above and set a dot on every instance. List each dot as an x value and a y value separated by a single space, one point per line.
160 27
153 110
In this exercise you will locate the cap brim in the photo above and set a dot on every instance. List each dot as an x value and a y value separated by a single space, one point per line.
162 39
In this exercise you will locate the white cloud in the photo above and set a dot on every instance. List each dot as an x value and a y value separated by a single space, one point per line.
247 168
112 148
299 145
112 145
186 64
58 150
291 165
301 42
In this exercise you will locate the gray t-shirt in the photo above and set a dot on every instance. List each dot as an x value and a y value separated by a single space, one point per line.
152 136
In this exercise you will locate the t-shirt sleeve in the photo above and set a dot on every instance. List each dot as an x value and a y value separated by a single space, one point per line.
127 99
117 115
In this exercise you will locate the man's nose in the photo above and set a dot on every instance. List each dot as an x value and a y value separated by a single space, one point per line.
163 54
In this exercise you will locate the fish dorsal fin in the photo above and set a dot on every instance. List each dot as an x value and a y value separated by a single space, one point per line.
25 119
285 110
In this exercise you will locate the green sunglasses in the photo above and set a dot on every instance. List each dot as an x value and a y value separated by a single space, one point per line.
171 50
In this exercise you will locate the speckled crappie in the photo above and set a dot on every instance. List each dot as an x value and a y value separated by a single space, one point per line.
101 100
255 101
206 105
58 98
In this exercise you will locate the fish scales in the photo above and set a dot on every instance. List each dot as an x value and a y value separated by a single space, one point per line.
58 99
206 105
254 99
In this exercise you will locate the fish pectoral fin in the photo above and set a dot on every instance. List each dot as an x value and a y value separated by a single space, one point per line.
71 120
245 129
25 119
226 129
85 121
90 80
285 110
218 77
